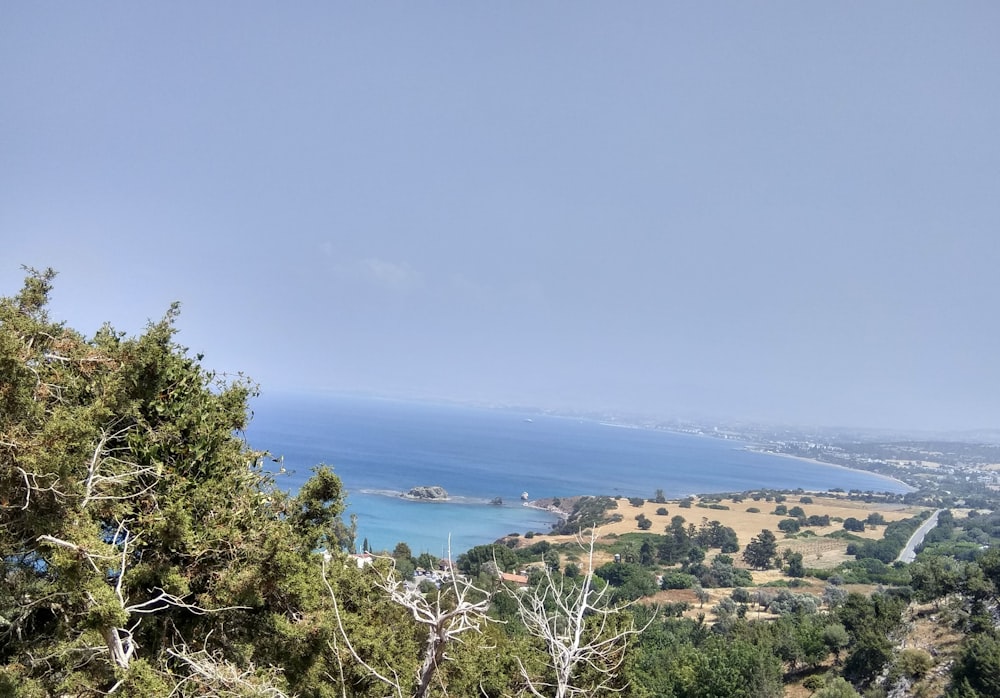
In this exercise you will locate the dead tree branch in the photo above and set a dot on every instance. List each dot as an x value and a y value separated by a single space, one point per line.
578 629
458 608
118 640
211 672
107 472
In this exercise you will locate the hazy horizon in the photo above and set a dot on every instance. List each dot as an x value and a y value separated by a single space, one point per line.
780 212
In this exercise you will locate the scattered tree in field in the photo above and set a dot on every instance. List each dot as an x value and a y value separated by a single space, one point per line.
853 524
789 526
760 551
793 564
875 519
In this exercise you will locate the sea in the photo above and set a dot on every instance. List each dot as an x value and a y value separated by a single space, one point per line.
380 448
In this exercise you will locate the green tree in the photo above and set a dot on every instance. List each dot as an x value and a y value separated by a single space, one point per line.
145 548
835 638
760 551
989 563
837 688
427 561
630 580
647 554
978 667
793 564
471 562
676 544
789 525
551 559
934 577
875 519
869 622
913 663
709 667
853 524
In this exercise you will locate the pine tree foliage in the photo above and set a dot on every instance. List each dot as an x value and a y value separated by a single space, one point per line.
144 548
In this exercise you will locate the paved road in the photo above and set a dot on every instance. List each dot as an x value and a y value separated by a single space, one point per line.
909 552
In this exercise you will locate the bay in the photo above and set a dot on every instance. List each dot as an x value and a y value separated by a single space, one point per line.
381 448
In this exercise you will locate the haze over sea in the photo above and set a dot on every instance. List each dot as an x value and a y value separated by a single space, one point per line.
381 448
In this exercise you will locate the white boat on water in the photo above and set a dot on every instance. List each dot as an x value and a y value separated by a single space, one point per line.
524 496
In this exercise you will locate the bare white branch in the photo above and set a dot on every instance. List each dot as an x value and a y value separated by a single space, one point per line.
110 477
446 615
119 641
445 619
393 682
31 484
86 554
224 679
575 625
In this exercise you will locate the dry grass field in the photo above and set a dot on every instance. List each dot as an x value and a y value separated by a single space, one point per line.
818 551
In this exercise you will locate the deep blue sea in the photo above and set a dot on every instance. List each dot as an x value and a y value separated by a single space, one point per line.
381 448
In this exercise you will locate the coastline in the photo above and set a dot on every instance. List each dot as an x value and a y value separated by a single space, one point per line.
881 476
537 505
478 454
748 446
566 504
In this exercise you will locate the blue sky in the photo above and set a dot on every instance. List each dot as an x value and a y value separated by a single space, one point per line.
777 211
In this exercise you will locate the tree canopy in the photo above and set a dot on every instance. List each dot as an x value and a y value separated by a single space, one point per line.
143 544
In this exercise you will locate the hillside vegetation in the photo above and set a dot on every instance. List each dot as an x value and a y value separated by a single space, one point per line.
147 552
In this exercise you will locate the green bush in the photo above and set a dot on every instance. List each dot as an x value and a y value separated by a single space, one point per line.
677 580
913 663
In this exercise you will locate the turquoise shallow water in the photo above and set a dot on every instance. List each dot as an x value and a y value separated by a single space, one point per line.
380 448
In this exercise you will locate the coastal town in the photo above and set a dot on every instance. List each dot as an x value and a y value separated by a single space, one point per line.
910 456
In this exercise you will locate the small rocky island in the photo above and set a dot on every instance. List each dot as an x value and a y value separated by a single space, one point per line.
428 493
